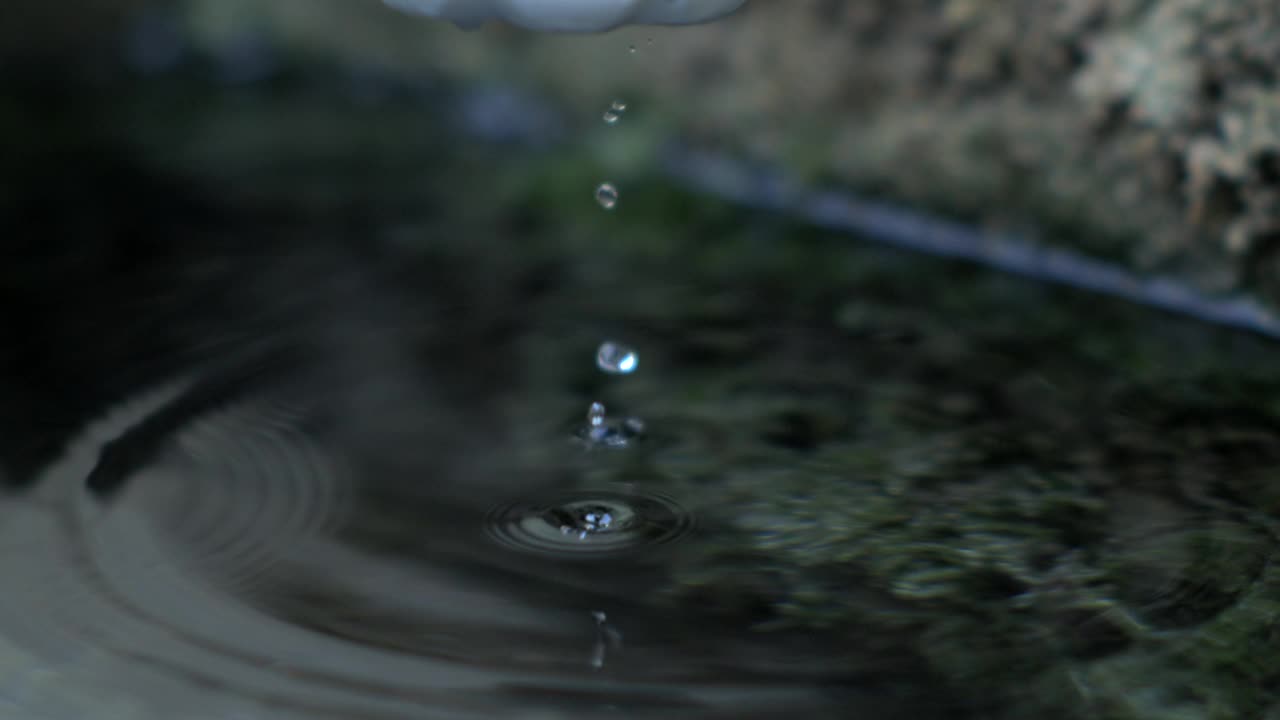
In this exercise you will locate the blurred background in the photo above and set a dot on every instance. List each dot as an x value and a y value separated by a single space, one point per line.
332 335
1140 131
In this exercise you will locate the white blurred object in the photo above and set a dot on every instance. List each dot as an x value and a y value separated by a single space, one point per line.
571 15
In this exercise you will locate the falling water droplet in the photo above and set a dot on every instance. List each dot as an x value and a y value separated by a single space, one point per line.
616 359
614 113
607 196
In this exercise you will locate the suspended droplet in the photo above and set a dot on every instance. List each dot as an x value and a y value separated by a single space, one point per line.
607 196
616 359
595 414
631 49
614 113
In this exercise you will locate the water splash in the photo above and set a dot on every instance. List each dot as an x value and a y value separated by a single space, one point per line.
589 524
599 431
595 414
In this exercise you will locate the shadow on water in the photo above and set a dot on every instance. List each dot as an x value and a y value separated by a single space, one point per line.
286 394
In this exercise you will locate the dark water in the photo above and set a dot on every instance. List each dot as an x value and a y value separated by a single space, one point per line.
285 372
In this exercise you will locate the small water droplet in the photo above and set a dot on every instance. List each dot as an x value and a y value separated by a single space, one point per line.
595 414
631 49
616 359
607 196
614 113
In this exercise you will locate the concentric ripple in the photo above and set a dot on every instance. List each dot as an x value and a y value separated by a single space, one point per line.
256 490
216 584
589 524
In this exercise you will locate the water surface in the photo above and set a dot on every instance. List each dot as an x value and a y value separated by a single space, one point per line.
329 346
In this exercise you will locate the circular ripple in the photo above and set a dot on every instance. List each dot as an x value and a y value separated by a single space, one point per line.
216 585
256 486
588 524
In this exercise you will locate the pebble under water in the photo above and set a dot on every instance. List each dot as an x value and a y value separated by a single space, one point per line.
866 484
